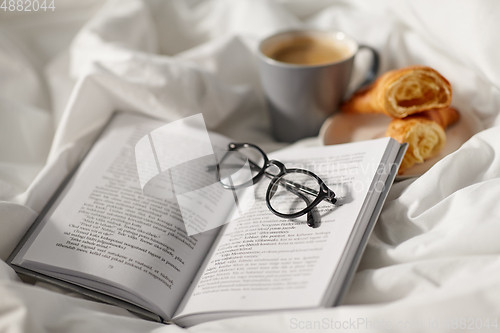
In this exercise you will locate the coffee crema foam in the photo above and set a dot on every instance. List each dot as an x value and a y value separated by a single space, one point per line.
307 50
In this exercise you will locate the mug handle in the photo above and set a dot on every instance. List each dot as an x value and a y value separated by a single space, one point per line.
372 73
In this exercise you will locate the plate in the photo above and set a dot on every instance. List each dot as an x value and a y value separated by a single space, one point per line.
345 128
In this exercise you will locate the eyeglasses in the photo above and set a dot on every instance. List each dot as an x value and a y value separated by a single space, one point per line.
291 192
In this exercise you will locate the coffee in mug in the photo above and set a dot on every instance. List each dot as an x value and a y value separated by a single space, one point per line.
311 50
305 74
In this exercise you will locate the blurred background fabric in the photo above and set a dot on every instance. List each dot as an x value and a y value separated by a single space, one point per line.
434 254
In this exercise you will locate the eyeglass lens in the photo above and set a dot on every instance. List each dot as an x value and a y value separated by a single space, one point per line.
286 196
240 166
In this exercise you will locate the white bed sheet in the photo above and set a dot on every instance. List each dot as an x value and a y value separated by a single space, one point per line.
433 259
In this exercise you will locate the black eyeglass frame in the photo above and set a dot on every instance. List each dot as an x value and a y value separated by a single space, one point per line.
324 193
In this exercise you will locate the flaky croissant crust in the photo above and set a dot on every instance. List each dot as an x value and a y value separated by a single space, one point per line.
424 133
425 138
402 92
417 90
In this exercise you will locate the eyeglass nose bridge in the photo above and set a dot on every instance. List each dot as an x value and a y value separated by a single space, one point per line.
279 165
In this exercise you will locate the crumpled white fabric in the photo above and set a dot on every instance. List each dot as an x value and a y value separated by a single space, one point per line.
433 258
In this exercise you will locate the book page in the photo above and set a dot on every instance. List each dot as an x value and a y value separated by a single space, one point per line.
264 262
104 229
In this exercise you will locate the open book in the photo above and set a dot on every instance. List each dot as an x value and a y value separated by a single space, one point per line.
101 236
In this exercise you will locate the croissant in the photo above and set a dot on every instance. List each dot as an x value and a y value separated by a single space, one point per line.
424 132
402 92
